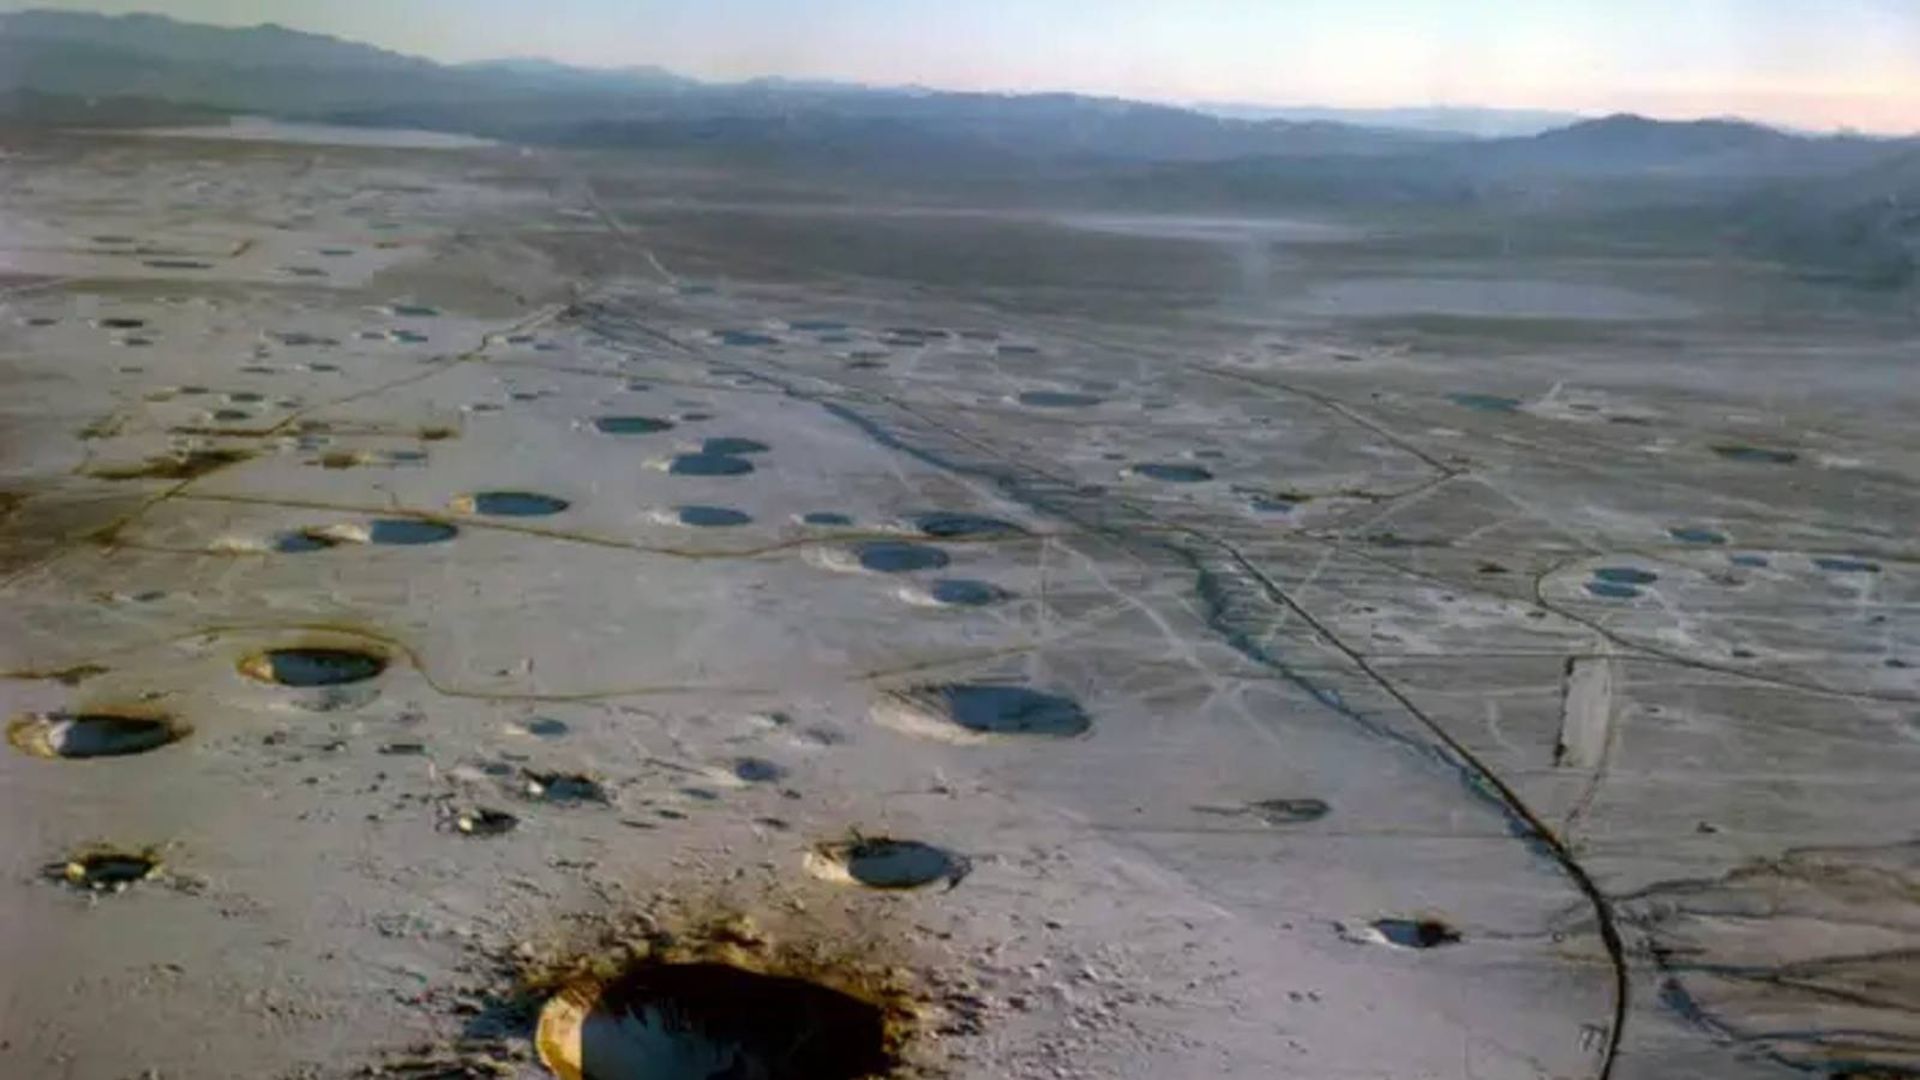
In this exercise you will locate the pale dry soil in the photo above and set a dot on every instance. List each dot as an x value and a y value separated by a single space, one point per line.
1249 674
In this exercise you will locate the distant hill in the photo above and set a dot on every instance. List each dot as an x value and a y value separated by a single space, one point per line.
263 68
1863 226
1624 142
1837 205
276 71
1439 120
161 38
535 72
27 108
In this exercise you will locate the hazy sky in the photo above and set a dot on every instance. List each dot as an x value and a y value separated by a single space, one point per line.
1815 63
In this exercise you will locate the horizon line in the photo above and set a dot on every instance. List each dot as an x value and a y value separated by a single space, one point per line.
1200 105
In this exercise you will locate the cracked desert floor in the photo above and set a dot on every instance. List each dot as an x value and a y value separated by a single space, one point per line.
1169 648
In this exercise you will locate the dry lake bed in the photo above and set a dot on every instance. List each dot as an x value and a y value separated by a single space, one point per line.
463 609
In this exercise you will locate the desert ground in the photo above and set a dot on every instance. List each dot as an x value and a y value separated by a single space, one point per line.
439 577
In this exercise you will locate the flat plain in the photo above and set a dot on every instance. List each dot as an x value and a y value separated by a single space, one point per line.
1131 647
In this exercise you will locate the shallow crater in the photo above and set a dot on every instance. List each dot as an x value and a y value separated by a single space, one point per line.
965 712
1289 811
948 525
709 465
510 504
712 517
1169 473
880 862
899 557
1493 403
733 446
407 532
631 425
564 788
101 868
183 465
94 734
954 592
312 667
707 1020
1423 933
484 822
1057 399
1756 455
304 541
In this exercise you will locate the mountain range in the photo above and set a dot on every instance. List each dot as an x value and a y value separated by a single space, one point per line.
1847 202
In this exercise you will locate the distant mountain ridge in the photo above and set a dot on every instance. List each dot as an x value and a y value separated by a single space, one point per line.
288 73
165 38
1842 205
1624 144
1438 120
275 70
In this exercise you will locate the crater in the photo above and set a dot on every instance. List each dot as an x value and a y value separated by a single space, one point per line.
310 667
1168 473
484 822
1625 575
709 465
712 517
709 1020
510 504
1057 399
1416 933
1688 534
948 525
561 787
304 541
733 446
899 557
826 519
1276 504
1609 590
1846 566
631 425
185 465
885 863
1759 455
754 770
1289 811
105 869
407 532
956 592
93 734
970 711
336 460
1493 403
121 322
